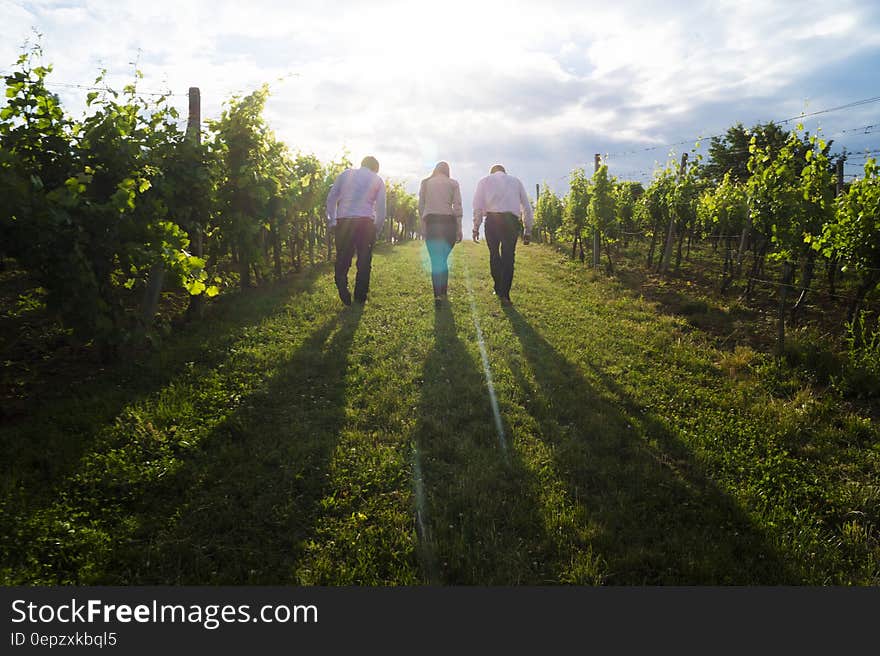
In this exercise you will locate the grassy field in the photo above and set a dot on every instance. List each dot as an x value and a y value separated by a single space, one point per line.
290 440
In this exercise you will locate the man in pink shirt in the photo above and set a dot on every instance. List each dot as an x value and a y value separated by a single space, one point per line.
502 200
355 215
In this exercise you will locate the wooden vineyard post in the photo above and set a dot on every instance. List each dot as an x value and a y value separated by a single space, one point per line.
156 277
196 238
834 260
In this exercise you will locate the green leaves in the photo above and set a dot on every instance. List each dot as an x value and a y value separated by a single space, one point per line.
725 206
602 204
577 202
855 235
123 199
75 185
88 199
92 207
548 212
195 287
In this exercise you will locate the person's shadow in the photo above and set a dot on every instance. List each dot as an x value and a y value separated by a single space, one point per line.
241 510
656 518
45 434
476 511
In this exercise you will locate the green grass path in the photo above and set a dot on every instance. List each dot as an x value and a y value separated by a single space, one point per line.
289 440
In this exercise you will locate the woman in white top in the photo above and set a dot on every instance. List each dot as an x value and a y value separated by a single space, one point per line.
440 209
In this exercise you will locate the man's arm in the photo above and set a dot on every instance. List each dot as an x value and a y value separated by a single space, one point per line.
380 207
528 216
332 200
479 206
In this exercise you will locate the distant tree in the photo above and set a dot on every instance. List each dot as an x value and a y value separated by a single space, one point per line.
730 153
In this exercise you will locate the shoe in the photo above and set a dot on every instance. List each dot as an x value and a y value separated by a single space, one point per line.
438 301
506 301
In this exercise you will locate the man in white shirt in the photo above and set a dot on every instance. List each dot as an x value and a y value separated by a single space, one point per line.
355 214
502 200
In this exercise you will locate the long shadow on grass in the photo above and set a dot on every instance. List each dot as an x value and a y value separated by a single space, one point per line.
663 522
250 498
44 437
477 517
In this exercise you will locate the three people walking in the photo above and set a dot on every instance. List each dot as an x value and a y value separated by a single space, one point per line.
441 213
356 214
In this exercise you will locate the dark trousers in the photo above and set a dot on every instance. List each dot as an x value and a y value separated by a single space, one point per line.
441 231
502 231
356 235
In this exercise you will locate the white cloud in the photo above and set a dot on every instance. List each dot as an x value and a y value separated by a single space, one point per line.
17 23
548 83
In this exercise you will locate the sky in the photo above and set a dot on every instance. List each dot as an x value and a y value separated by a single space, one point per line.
539 87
